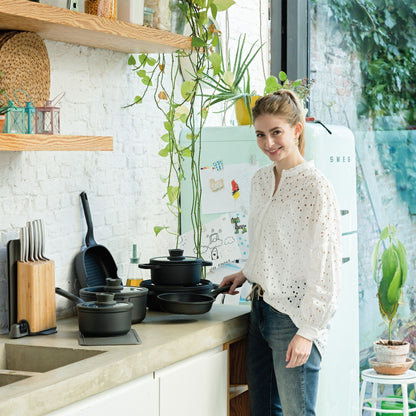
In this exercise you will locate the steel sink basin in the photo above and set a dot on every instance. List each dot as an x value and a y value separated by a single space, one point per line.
18 362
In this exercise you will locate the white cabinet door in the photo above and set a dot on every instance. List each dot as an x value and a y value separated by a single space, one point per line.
138 397
196 386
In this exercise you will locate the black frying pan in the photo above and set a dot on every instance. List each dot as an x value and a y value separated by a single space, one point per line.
94 263
189 303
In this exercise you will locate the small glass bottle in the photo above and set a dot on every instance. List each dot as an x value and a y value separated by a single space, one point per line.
133 275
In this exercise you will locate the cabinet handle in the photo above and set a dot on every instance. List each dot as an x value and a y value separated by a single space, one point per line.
346 259
345 211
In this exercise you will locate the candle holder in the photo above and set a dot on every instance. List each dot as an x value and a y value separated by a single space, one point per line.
48 117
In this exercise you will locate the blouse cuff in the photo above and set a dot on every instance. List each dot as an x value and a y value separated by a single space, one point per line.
308 332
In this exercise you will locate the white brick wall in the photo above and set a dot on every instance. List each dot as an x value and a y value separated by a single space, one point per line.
123 186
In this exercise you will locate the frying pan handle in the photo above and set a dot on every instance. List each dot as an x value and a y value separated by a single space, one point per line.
89 238
206 263
149 266
68 295
215 292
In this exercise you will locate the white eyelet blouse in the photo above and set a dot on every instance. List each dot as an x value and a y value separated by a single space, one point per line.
295 246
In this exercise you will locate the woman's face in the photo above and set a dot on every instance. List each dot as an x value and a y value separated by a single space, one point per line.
276 137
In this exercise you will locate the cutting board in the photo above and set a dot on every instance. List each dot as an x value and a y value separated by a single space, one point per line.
36 294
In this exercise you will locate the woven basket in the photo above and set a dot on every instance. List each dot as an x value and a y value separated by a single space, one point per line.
24 63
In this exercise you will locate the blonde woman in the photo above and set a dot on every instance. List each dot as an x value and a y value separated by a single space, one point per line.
294 264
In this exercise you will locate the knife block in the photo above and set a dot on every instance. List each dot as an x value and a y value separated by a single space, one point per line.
36 294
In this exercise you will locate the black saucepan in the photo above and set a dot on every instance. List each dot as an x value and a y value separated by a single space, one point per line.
189 303
176 269
102 318
94 263
135 295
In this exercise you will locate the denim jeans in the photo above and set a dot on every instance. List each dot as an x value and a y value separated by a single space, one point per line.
274 389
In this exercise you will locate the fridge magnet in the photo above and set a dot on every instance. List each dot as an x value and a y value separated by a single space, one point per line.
218 165
218 242
235 189
237 226
216 185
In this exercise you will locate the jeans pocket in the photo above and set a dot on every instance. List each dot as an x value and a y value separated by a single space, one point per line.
281 314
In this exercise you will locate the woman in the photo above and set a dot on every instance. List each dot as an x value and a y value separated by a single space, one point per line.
294 264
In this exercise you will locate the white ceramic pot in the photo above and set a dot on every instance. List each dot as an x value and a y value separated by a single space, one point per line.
391 353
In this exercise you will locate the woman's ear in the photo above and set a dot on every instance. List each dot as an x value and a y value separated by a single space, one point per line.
298 129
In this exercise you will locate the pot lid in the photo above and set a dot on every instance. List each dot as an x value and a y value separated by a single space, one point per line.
175 257
117 290
105 302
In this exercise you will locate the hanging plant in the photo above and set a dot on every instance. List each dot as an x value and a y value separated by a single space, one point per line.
184 104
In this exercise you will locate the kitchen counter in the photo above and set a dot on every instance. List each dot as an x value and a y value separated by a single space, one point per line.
166 339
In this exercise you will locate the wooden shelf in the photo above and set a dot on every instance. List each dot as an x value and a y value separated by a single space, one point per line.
48 142
64 25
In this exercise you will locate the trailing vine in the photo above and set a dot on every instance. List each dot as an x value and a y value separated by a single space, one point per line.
183 103
383 33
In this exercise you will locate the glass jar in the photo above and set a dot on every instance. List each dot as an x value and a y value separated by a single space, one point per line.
148 17
103 8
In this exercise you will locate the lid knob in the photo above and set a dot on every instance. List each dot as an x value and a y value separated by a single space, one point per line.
113 285
105 299
176 254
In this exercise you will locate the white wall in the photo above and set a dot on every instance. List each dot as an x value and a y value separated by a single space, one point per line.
123 186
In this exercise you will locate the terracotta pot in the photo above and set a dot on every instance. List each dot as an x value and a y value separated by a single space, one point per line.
241 111
2 121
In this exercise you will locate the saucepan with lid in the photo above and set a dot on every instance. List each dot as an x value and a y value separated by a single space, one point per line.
135 295
175 269
103 317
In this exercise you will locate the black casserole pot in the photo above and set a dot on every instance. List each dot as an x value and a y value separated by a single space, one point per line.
102 318
135 295
176 269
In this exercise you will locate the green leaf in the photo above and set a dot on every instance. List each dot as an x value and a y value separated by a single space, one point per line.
132 60
168 126
165 151
215 59
187 152
395 290
138 99
141 73
157 229
173 193
189 136
389 264
223 5
214 10
384 233
151 61
187 90
272 84
282 76
142 58
147 81
401 251
165 137
197 42
228 78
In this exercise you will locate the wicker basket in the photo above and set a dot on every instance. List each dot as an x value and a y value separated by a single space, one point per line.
24 64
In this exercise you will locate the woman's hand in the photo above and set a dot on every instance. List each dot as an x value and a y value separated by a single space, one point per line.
298 351
235 279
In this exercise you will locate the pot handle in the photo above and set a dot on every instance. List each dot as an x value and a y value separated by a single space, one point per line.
215 292
68 295
206 263
149 266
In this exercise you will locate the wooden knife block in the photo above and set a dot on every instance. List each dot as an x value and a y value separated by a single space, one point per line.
36 294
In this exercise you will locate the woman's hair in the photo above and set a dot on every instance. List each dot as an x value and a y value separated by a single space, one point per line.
283 103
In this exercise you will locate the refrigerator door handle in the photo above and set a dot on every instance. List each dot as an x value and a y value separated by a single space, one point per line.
344 211
346 259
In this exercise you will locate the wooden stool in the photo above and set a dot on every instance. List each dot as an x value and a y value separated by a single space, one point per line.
370 376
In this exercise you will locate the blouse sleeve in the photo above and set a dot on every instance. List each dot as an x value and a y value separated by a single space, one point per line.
324 267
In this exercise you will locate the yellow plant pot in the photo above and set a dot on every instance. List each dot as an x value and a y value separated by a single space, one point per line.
241 111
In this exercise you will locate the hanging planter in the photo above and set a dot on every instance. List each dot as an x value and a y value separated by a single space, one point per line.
242 113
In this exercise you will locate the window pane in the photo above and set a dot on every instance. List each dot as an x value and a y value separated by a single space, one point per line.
363 60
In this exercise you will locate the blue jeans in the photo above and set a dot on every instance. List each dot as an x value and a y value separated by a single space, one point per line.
274 389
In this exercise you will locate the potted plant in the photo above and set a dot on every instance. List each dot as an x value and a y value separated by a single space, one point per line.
231 83
389 267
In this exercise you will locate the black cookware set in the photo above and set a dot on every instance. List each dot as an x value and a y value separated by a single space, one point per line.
107 308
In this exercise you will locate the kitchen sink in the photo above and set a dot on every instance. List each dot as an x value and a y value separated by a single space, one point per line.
36 359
